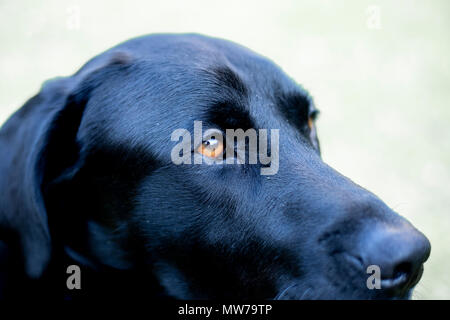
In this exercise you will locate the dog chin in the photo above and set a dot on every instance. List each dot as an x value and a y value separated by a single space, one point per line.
299 292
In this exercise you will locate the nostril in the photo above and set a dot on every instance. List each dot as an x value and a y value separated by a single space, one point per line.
399 254
355 260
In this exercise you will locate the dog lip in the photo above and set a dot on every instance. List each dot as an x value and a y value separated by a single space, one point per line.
402 278
417 278
391 283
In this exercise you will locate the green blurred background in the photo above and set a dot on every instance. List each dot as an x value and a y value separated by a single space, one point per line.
378 70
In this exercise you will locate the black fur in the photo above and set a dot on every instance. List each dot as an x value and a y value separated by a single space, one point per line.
86 178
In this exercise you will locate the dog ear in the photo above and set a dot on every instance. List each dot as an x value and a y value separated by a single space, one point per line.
42 153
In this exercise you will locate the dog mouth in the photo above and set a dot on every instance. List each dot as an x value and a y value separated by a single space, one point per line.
293 292
297 291
401 280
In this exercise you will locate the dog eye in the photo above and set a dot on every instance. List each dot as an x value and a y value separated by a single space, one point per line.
310 123
211 148
312 118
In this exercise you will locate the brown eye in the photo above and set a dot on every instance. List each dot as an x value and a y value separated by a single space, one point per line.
310 123
312 118
211 148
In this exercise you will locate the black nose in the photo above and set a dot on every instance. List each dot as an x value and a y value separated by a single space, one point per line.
399 252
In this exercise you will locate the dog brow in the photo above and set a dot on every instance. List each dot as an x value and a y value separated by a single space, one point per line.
230 115
296 107
228 78
229 111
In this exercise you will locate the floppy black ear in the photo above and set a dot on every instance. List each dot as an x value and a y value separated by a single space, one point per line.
38 146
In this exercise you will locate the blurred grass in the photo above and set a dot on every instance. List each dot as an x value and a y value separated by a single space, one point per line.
384 93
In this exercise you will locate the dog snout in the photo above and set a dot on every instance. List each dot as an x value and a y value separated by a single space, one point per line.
399 252
368 233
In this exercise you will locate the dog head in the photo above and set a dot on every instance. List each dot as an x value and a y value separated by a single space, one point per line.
288 228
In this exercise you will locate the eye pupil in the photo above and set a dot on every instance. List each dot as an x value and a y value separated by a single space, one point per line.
211 148
211 143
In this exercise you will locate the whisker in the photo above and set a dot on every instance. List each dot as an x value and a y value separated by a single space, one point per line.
278 296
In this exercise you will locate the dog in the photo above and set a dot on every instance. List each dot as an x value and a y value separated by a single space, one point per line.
88 179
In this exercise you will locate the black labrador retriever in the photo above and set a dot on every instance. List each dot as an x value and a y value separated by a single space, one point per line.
90 175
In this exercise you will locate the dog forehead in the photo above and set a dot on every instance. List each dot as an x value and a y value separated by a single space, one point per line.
176 79
183 47
195 51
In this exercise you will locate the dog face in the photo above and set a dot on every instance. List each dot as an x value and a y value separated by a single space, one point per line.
114 196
